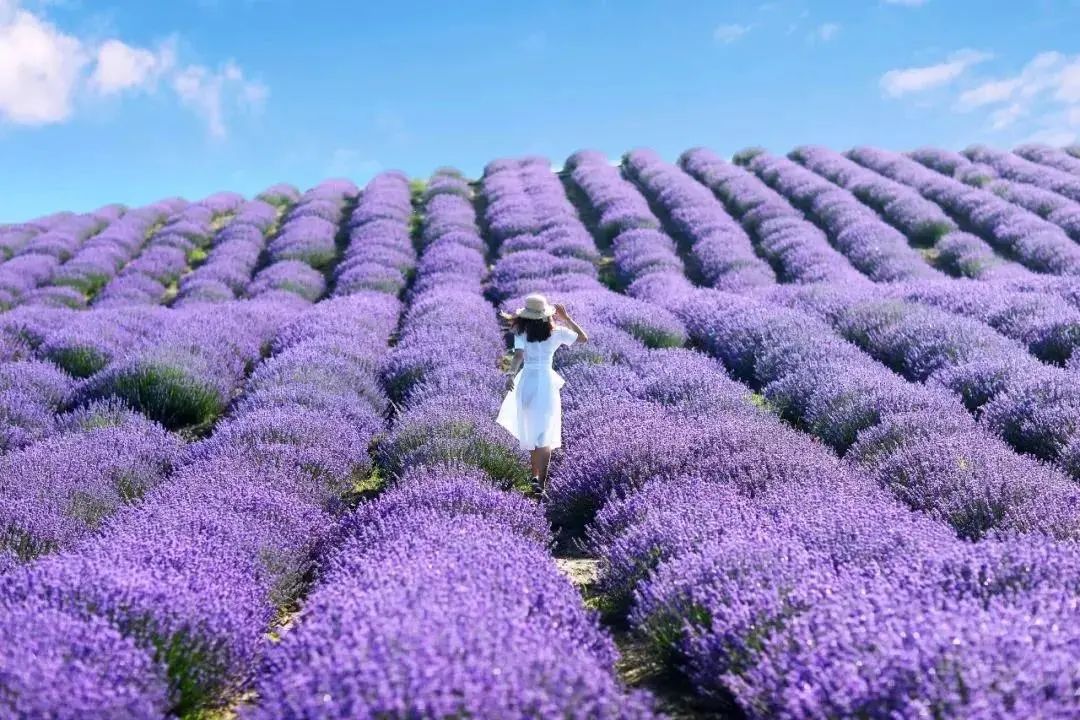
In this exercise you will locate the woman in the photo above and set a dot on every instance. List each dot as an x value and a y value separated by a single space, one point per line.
532 410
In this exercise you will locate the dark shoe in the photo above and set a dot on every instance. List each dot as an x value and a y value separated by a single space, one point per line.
534 485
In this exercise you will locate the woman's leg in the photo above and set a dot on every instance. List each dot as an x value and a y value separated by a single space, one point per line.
544 455
534 462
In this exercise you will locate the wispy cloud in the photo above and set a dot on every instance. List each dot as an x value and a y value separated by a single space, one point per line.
1041 73
1038 102
209 92
905 81
1046 91
729 33
121 67
44 72
827 31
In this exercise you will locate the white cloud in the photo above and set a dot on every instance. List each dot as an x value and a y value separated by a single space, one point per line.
904 81
728 34
40 68
1006 116
1068 86
827 31
1038 102
122 67
989 93
1038 75
253 95
44 72
208 93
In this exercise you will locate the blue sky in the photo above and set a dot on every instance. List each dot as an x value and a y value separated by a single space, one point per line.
133 100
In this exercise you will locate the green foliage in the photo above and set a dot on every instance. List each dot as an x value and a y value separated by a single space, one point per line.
416 188
744 157
25 546
195 668
88 284
79 361
300 289
653 337
168 394
88 509
927 235
456 443
216 224
761 402
320 259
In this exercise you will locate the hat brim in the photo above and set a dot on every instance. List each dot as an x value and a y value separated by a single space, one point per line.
527 314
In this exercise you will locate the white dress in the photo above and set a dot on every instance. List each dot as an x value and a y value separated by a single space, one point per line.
532 411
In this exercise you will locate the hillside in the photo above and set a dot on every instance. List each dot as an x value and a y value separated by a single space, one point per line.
820 454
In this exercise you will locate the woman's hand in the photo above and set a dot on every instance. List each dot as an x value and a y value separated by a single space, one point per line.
560 312
510 383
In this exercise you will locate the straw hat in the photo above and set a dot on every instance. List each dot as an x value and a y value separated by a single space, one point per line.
536 308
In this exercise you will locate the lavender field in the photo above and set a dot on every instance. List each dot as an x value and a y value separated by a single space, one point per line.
822 450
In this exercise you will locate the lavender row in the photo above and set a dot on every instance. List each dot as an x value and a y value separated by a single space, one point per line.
1017 168
57 491
1029 404
167 606
450 602
1042 320
720 249
961 253
918 440
1018 234
14 236
379 254
443 602
31 394
795 247
1047 204
185 374
149 277
1065 160
234 254
305 245
103 256
281 195
809 396
639 247
550 259
874 247
33 390
922 221
710 502
35 263
1018 417
956 252
839 431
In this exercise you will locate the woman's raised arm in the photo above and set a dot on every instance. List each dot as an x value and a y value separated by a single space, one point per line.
561 314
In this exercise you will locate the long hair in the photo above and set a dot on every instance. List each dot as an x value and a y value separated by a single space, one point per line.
533 330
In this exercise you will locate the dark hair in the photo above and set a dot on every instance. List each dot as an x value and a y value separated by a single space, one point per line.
533 330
